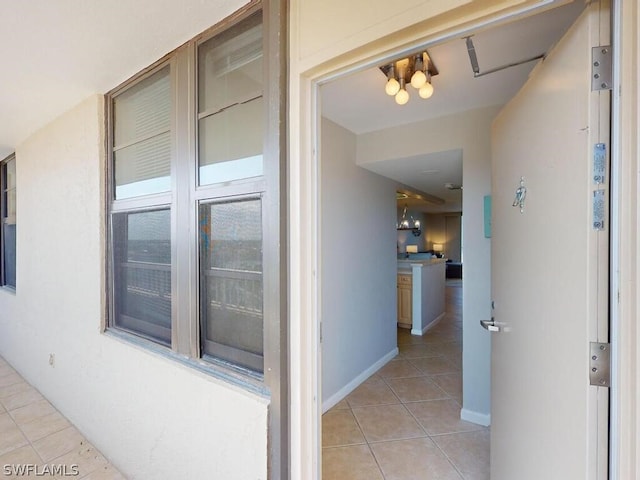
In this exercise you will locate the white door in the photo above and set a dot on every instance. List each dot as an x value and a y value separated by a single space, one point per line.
549 268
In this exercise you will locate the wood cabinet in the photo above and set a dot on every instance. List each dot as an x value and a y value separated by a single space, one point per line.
405 299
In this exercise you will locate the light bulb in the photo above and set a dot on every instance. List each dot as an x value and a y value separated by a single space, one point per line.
392 87
418 79
402 97
426 90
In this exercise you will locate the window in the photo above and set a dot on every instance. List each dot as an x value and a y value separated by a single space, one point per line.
8 231
190 199
197 208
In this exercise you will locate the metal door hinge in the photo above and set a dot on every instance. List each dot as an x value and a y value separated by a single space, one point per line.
600 364
601 68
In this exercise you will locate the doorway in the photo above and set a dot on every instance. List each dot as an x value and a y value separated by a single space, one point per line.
359 242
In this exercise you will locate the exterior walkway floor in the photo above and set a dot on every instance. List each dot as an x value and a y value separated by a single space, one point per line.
36 441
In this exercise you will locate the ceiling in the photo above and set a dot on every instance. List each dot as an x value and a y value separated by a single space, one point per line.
358 102
58 52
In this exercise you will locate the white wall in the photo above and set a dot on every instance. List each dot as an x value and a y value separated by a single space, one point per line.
153 418
470 131
358 267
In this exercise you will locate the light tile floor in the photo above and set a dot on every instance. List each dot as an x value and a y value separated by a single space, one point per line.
403 422
33 433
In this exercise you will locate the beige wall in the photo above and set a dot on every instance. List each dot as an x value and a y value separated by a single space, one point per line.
444 228
627 246
152 417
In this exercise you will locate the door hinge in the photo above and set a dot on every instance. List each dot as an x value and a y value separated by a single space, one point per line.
320 332
600 364
601 68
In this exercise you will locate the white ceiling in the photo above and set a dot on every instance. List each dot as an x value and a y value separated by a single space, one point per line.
358 102
58 52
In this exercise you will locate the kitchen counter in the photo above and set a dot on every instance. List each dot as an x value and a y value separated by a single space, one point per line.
426 280
404 264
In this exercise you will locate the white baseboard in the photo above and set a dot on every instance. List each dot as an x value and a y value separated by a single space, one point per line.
483 419
429 326
355 383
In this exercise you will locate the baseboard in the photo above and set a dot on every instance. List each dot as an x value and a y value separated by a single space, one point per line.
355 383
429 326
483 419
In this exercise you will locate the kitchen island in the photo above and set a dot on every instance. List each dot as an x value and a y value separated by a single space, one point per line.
421 293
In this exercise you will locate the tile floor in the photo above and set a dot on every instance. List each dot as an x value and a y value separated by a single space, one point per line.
403 422
33 432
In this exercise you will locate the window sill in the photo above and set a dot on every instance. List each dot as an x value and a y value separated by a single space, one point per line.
247 381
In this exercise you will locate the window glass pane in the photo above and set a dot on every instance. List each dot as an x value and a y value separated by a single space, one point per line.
230 106
144 168
11 206
11 174
231 144
142 137
9 251
231 282
143 110
142 273
8 183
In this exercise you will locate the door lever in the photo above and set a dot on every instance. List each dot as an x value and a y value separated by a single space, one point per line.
490 325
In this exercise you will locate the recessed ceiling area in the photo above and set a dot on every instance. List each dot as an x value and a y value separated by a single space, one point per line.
428 174
358 102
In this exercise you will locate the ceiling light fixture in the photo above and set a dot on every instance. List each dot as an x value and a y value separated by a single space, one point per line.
415 70
405 224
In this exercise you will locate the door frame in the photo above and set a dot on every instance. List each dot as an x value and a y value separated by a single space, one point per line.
304 234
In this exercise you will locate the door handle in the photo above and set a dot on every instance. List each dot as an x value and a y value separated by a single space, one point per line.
490 325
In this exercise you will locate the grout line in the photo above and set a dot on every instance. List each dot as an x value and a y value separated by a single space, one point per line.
375 459
30 443
455 319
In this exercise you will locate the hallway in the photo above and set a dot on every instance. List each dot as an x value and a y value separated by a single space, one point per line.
403 422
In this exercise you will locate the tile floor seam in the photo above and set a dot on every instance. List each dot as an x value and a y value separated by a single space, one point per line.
375 459
27 438
448 342
462 476
69 425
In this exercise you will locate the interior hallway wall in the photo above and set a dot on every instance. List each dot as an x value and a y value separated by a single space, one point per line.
358 267
470 131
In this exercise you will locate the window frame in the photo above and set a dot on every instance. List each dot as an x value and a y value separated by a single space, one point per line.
6 219
271 187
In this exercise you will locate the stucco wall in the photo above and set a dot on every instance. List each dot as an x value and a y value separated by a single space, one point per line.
153 418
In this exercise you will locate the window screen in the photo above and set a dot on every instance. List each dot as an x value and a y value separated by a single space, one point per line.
142 273
231 281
